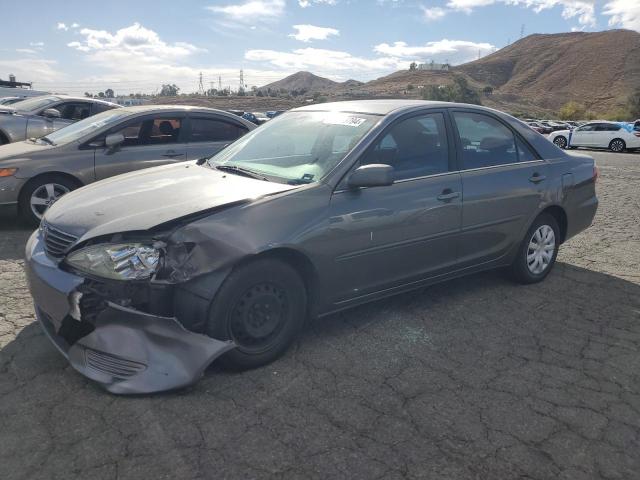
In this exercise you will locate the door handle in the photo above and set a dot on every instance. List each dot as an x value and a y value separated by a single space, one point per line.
537 178
447 195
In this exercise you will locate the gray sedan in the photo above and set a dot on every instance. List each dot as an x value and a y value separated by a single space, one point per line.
36 172
42 115
143 280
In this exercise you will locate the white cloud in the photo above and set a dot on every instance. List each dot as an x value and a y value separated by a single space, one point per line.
75 25
455 51
36 44
62 26
134 41
32 69
29 51
325 62
306 33
434 13
308 3
251 11
583 10
624 13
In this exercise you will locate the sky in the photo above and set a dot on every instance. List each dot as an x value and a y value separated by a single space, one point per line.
71 46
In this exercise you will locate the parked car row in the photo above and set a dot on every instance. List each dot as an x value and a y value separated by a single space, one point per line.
144 279
37 172
39 116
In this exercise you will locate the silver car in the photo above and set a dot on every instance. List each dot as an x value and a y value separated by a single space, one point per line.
40 116
36 172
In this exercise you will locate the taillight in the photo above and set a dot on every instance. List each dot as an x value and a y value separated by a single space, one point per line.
637 134
596 172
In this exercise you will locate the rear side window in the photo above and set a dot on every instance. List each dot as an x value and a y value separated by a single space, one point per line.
415 147
152 131
214 130
525 154
485 141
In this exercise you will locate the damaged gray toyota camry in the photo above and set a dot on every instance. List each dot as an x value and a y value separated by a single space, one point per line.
144 279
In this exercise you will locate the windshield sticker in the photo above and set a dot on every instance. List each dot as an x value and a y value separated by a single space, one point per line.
346 120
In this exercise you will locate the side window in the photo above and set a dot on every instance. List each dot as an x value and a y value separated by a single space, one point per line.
415 147
74 110
524 152
212 130
156 131
587 128
99 108
132 133
163 130
485 141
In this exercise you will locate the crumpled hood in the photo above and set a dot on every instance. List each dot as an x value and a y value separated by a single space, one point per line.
146 198
23 149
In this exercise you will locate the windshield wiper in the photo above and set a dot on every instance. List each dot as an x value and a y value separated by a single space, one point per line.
241 171
47 140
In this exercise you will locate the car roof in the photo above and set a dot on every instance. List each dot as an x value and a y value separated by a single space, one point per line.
85 99
141 109
384 107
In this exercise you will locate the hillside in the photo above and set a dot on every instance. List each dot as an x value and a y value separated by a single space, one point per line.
303 81
597 69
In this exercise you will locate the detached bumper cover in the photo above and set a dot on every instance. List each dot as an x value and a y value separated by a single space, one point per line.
125 350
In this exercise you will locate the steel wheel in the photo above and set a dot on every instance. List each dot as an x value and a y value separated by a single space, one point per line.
43 196
617 145
542 246
258 317
560 142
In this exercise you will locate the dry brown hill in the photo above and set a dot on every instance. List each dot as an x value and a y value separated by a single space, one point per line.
597 69
303 81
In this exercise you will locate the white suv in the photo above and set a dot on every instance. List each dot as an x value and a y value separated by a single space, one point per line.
615 136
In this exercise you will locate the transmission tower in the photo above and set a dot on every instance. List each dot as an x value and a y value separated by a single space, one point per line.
522 32
219 82
200 86
242 85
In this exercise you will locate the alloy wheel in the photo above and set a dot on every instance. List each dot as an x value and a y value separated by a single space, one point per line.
560 142
617 146
542 246
44 196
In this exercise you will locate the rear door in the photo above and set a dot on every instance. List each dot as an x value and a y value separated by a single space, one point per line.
503 183
208 134
150 141
383 237
582 136
605 133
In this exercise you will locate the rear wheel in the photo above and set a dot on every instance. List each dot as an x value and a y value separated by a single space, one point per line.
617 145
39 194
538 251
260 307
560 141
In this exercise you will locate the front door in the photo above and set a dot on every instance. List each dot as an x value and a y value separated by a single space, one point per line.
383 237
150 141
503 183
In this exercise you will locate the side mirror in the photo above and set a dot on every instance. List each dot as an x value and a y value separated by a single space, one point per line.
114 140
51 113
374 175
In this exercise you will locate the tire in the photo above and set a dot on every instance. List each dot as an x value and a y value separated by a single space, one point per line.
617 145
243 311
560 142
524 268
3 140
38 187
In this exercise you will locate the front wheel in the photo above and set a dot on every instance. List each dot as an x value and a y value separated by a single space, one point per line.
260 307
560 141
538 251
617 145
39 194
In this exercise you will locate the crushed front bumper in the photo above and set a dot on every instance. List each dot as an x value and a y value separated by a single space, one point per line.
125 350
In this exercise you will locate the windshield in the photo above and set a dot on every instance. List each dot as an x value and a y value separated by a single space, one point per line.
84 127
297 147
36 103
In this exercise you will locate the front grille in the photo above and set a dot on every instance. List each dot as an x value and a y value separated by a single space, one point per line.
111 365
56 242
